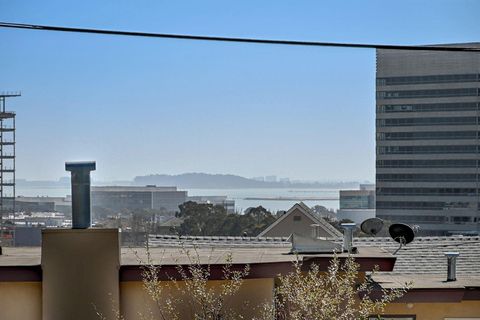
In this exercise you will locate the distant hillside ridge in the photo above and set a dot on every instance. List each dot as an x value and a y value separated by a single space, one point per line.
229 181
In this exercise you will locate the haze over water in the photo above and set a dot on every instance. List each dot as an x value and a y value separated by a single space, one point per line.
238 195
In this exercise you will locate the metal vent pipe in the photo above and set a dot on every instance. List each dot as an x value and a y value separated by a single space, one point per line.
348 236
81 206
451 265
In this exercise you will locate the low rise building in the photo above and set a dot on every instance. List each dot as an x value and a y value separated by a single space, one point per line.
133 197
44 283
299 219
228 204
44 204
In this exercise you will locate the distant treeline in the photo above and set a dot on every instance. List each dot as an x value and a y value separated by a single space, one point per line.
229 181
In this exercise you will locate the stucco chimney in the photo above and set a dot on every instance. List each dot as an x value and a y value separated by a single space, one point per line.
80 266
451 265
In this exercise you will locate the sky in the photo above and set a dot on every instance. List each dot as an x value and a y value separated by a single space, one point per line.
143 106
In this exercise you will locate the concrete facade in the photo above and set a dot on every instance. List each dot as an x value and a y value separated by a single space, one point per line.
427 135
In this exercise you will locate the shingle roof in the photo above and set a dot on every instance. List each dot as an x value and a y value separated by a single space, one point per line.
425 255
422 261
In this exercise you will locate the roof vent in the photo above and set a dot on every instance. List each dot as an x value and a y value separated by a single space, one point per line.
81 206
452 265
348 236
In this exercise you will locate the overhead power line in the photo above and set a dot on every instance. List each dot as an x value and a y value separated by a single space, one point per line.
237 40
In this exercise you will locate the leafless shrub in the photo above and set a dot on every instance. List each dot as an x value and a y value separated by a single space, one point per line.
194 289
337 294
341 293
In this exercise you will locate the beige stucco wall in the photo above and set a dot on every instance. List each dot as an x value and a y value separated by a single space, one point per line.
134 300
436 311
288 226
20 300
23 300
80 273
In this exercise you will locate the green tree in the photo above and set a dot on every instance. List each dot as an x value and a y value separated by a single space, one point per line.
213 220
258 219
201 219
341 293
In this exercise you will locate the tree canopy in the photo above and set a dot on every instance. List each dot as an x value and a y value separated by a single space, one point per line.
213 220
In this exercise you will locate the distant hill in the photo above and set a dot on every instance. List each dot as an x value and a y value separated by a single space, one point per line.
228 181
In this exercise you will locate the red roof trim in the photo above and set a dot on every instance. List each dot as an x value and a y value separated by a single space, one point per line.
20 273
257 270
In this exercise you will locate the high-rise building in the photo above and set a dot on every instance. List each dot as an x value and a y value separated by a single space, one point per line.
428 139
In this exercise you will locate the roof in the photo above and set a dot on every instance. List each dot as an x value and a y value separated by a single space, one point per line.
307 212
209 252
133 189
24 264
423 262
239 255
425 255
172 222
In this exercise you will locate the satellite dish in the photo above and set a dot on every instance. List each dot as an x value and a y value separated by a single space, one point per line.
372 226
401 233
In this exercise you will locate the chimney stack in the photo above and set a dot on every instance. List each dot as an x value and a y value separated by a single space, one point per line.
452 265
81 206
348 236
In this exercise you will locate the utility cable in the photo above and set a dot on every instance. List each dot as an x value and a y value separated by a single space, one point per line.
458 48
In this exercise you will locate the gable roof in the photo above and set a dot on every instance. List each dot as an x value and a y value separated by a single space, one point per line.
172 222
303 208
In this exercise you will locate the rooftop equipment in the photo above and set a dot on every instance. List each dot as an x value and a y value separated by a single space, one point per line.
372 226
81 205
401 233
452 265
348 236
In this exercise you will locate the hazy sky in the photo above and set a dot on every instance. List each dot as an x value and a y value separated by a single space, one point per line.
140 106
